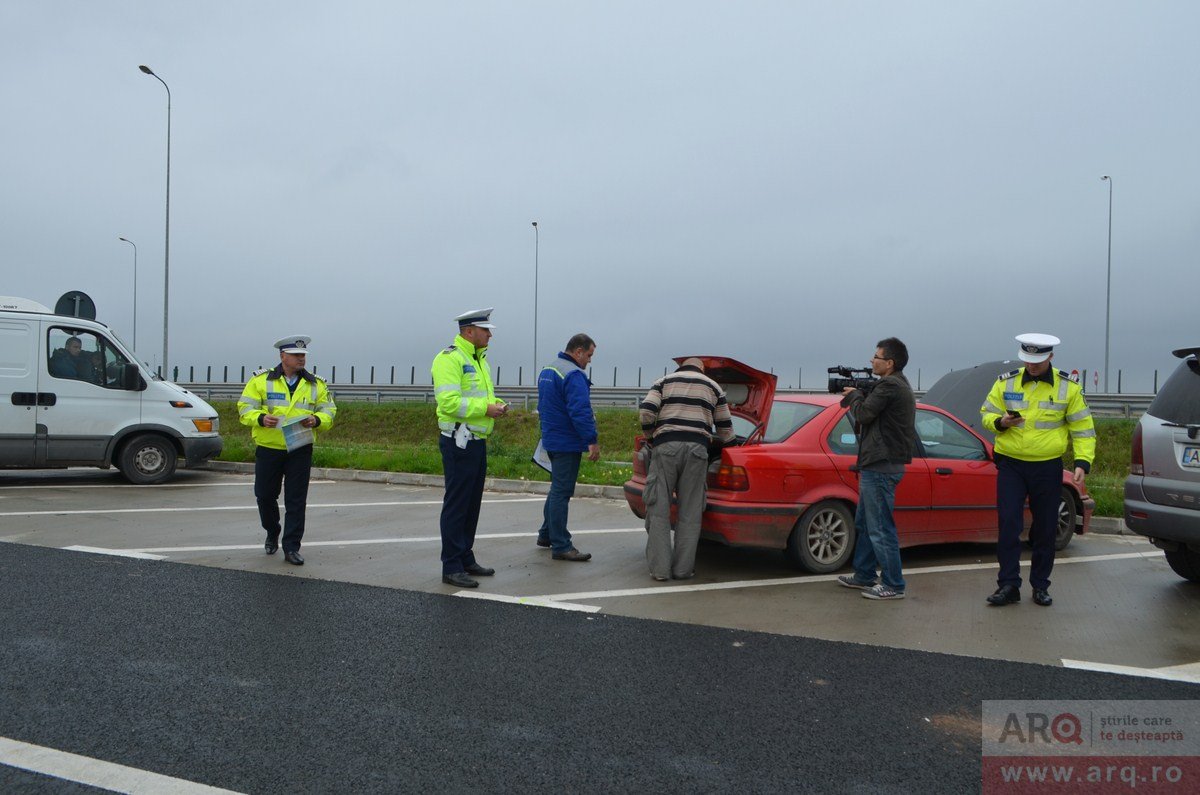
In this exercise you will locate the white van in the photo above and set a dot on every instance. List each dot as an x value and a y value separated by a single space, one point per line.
72 394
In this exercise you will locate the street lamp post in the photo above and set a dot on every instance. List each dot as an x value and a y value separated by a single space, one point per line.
130 242
536 242
1108 287
167 236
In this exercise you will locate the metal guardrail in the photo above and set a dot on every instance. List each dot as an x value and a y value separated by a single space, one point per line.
1111 405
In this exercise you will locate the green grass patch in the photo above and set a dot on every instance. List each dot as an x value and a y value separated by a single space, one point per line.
402 437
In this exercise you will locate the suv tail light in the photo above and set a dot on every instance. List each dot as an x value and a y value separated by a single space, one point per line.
730 478
1136 463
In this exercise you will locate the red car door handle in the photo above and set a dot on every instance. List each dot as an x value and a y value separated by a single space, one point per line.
944 471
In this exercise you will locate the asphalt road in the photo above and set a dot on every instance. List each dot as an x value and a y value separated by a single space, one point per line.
220 665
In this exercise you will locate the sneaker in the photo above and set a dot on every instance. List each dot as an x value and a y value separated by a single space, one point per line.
850 581
881 591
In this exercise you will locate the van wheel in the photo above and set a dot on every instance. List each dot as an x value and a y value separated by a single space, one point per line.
1068 518
1185 563
147 459
823 539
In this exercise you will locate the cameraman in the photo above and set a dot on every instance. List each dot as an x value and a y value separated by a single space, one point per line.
884 417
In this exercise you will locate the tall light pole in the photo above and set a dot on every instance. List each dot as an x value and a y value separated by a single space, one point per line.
1108 288
536 241
130 242
167 236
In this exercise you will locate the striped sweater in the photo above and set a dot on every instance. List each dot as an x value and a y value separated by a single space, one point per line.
685 406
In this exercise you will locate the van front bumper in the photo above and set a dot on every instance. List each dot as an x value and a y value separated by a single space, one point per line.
198 450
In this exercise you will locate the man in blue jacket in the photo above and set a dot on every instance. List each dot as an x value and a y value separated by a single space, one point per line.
568 431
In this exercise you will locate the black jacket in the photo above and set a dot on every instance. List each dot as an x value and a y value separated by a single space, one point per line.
886 417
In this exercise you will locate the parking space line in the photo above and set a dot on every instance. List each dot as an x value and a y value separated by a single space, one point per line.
247 483
351 542
124 553
251 507
531 601
1189 672
803 580
95 772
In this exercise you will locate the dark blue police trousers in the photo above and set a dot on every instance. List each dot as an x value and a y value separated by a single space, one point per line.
1041 482
273 468
465 470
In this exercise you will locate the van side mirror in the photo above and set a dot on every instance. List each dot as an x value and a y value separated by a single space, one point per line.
131 379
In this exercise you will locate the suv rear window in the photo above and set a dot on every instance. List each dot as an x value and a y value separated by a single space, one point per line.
1179 399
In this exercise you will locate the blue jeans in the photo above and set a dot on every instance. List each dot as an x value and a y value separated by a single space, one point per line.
877 544
564 471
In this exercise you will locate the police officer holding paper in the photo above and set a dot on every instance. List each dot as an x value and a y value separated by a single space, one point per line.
467 408
284 407
1034 411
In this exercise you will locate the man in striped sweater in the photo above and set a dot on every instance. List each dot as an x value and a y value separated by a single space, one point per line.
679 415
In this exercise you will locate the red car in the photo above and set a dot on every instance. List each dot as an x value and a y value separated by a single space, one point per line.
790 484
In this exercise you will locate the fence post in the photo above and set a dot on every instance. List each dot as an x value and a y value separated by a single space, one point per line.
333 374
393 378
639 376
1118 382
918 379
412 375
243 373
191 374
800 378
225 375
1156 382
208 378
1083 381
372 375
614 375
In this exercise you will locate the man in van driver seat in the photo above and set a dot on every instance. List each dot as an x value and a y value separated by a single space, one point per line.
71 362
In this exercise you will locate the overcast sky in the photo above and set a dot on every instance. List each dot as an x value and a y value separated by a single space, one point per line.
784 183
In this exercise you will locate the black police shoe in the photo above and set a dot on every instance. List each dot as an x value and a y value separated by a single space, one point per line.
1005 595
1042 597
460 580
293 558
475 570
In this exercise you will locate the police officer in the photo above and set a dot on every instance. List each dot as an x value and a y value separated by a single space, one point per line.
1034 410
467 408
284 407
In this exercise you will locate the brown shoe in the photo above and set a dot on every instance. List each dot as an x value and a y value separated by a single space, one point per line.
573 554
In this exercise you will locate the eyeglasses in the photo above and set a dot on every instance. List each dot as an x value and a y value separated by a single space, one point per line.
881 358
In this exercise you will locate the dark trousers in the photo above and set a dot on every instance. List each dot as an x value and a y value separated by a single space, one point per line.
1041 482
275 468
465 470
564 471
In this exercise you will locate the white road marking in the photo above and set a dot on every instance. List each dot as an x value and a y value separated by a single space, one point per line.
531 601
1189 672
95 772
803 580
250 507
71 486
124 553
368 541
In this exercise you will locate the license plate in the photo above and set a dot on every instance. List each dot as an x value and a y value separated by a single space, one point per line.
1191 457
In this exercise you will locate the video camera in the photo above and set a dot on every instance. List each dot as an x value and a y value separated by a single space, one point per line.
860 378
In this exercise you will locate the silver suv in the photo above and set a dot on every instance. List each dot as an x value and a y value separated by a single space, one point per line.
1162 492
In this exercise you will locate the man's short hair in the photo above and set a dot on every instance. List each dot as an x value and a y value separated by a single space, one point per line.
580 342
895 350
75 340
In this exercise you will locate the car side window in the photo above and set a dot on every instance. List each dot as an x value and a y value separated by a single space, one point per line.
1178 400
842 439
84 356
942 437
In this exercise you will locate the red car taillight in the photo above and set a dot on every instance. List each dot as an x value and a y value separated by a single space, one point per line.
1137 466
730 478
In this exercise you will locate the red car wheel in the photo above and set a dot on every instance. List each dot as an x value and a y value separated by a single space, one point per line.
823 539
